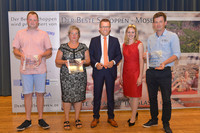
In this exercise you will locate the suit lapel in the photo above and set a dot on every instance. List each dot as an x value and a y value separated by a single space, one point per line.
109 45
99 45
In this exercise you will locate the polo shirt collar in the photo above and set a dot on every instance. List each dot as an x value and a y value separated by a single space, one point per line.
27 29
164 33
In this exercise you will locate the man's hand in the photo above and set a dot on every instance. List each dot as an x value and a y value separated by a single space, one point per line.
109 64
161 67
22 58
145 56
39 59
99 66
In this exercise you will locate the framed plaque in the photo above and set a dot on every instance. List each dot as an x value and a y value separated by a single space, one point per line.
155 59
30 62
75 66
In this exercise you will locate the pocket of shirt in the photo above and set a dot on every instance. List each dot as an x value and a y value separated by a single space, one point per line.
165 46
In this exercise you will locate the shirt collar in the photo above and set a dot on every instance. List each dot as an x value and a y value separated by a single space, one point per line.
36 29
102 37
163 34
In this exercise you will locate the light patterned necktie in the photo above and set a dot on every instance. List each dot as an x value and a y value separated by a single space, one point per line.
105 52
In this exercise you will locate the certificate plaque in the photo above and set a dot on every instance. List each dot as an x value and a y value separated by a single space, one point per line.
75 66
155 59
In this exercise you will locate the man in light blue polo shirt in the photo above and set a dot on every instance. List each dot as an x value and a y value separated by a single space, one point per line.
164 49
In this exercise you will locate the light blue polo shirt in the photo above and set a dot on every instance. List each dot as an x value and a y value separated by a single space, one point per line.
168 43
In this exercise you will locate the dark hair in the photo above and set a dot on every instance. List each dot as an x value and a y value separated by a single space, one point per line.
33 13
104 20
159 14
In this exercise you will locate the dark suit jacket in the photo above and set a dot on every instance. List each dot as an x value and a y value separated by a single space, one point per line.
114 53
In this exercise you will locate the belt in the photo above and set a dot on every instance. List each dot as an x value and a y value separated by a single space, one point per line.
166 68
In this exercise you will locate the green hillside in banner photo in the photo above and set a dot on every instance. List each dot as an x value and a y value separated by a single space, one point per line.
189 34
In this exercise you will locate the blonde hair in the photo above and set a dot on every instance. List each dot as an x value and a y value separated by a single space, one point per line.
73 27
126 41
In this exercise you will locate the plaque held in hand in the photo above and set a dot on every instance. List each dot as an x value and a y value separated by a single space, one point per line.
155 59
75 66
30 62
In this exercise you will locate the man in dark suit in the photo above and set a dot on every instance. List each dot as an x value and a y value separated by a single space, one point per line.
105 54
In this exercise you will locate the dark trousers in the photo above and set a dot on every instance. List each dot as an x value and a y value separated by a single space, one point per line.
102 76
162 79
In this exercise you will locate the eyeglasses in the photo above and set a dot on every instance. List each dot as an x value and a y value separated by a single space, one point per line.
105 27
131 25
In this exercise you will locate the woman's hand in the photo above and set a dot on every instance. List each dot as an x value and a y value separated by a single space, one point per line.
82 62
139 81
121 82
66 63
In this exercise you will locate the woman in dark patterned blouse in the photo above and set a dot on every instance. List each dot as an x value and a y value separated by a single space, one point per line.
73 79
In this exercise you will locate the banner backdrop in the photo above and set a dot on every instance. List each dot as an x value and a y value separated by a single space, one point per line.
185 87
